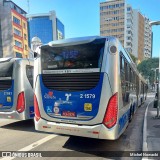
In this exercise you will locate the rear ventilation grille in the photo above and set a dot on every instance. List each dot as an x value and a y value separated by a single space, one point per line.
5 84
71 81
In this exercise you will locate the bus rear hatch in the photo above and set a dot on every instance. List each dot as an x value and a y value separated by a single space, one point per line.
71 80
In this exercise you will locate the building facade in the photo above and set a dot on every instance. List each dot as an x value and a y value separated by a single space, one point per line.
129 32
138 32
45 26
13 30
128 25
147 39
113 19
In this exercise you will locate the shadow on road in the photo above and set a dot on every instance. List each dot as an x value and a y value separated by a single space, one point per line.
130 140
26 125
96 147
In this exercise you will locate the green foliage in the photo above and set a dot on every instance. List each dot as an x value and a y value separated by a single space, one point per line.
133 58
146 66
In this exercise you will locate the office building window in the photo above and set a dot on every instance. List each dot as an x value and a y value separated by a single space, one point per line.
18 55
24 25
25 36
26 47
18 44
128 9
16 20
17 32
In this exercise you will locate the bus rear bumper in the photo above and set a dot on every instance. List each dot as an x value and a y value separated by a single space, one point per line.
96 131
12 115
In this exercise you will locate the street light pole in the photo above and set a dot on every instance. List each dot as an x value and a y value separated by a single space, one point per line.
155 76
153 23
157 92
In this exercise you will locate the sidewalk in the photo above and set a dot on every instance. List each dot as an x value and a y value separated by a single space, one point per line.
151 130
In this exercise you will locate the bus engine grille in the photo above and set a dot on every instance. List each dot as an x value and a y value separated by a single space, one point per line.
71 81
5 84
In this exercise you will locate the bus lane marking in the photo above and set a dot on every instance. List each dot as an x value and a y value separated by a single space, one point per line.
30 147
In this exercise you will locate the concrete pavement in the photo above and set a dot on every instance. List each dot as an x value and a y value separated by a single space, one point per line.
151 130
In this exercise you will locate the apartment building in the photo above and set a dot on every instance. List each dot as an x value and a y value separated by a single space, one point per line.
113 19
127 24
13 30
147 39
129 32
139 35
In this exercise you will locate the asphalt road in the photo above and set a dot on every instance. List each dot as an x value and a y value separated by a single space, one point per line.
21 136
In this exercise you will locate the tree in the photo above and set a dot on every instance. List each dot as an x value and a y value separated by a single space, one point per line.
133 58
146 66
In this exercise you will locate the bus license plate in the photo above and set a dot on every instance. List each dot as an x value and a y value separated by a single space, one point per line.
68 114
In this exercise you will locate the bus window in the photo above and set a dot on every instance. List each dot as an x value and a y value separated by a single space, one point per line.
101 57
6 75
86 55
126 71
6 69
121 61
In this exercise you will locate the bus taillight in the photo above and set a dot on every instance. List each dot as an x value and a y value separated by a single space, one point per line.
36 109
20 103
110 117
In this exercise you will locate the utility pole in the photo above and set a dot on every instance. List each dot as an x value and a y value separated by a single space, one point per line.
153 23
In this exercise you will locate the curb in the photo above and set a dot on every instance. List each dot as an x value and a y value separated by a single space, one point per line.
145 145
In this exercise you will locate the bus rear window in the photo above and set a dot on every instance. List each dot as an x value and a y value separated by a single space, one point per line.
88 55
6 69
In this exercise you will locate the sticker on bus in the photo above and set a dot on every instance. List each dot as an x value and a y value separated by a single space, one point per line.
88 106
68 114
9 99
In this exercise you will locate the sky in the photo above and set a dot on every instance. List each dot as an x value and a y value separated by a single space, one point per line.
82 17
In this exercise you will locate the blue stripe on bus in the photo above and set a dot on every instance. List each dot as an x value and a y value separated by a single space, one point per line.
31 111
6 98
74 103
123 120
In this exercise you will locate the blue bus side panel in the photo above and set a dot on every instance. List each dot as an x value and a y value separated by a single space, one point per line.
31 111
123 120
6 98
80 105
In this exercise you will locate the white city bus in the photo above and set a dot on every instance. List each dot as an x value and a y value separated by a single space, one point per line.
86 87
16 88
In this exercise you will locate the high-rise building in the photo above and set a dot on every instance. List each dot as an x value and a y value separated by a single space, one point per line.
13 30
147 39
45 26
138 32
113 19
129 32
128 25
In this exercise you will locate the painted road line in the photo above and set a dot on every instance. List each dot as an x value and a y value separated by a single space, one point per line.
32 146
145 147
